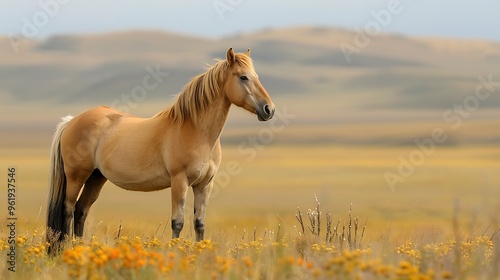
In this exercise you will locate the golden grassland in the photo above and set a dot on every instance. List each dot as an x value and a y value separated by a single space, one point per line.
271 254
439 223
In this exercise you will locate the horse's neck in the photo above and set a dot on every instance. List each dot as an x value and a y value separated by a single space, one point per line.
211 122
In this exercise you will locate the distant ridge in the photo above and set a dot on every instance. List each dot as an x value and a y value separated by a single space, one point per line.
391 72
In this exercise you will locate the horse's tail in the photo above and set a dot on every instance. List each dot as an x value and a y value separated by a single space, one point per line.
56 217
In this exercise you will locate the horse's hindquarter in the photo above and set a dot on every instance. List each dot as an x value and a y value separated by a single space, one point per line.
80 139
130 154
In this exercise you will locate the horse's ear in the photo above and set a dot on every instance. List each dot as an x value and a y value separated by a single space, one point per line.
230 56
248 52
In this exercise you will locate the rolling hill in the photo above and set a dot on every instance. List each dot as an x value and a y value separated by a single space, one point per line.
392 79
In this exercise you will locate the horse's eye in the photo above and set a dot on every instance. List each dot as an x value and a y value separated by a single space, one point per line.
244 78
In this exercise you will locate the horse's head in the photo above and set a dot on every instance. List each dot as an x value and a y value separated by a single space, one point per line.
243 87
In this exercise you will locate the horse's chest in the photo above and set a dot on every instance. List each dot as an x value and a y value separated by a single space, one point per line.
198 171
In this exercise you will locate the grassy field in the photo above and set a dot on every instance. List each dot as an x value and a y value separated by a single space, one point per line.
440 220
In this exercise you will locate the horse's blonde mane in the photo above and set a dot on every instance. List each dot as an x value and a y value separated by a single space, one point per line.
202 90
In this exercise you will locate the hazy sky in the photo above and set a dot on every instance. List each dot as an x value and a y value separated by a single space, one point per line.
215 18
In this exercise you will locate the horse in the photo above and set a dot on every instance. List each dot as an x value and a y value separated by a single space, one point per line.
177 148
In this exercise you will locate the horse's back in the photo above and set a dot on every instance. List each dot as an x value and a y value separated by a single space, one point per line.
90 124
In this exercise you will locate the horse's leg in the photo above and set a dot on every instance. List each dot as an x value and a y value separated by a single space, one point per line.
89 195
179 193
201 196
74 185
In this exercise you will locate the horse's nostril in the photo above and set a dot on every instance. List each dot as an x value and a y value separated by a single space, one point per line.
267 109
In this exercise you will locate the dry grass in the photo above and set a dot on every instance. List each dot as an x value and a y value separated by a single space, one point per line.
268 254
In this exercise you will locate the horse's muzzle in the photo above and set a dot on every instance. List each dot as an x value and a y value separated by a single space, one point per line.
265 112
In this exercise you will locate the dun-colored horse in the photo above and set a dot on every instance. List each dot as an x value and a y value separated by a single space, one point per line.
177 148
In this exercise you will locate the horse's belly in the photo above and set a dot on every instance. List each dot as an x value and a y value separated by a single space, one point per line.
144 182
145 186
